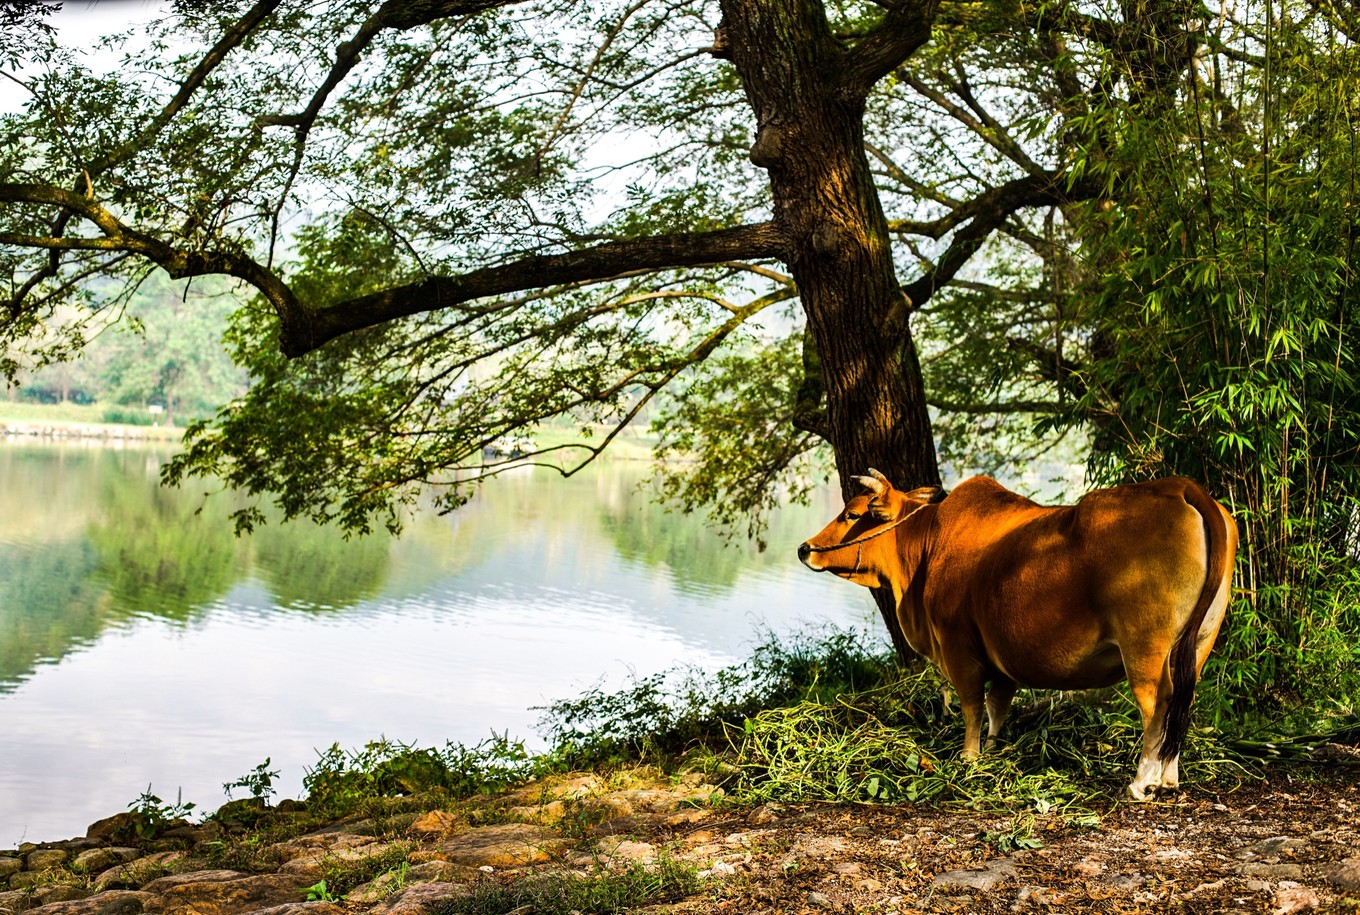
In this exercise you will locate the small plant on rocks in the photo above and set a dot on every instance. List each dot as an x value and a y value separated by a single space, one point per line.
259 782
150 816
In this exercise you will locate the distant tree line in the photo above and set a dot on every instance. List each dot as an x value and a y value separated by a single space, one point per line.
166 352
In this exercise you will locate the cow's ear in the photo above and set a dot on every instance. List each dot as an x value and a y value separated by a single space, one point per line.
927 494
880 509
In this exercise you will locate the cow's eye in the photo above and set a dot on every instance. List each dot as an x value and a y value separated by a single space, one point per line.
853 516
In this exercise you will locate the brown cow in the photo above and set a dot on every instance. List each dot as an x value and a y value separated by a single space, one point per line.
1131 582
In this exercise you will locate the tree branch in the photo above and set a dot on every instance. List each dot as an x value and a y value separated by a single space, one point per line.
988 211
177 262
305 331
1051 365
903 29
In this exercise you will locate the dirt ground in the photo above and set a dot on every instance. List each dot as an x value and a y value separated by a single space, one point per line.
1281 846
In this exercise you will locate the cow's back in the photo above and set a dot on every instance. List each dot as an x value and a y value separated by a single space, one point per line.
1047 594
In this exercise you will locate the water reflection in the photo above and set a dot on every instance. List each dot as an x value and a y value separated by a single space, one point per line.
140 641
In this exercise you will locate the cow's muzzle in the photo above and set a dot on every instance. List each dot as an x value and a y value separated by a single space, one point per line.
805 551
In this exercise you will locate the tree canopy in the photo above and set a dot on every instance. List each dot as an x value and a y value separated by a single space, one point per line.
776 226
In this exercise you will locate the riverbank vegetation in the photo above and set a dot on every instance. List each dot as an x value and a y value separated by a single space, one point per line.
754 782
822 717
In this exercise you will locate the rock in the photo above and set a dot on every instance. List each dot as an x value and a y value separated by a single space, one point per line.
101 859
434 823
114 902
10 866
620 826
62 892
309 861
226 897
433 872
128 905
27 879
316 907
605 809
1040 895
1277 844
241 812
617 852
862 831
547 814
133 874
46 859
420 899
763 815
846 867
1291 898
655 800
12 902
1271 871
75 845
985 880
170 881
820 847
120 824
193 834
508 845
1087 867
820 900
688 817
1345 875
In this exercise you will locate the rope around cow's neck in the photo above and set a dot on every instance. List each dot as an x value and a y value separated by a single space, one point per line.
866 537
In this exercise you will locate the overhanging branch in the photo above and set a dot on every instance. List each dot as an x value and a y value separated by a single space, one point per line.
307 330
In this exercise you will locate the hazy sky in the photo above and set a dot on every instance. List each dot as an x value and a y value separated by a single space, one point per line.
80 23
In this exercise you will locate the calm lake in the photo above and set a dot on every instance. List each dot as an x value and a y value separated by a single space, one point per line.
144 644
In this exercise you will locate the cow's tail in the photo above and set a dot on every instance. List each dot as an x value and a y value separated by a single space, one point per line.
1184 669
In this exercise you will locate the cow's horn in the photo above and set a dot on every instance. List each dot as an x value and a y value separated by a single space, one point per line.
875 484
880 477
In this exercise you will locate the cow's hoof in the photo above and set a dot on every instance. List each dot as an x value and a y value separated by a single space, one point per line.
1150 792
1137 792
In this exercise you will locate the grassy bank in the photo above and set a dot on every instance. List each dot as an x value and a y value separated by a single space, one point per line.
826 718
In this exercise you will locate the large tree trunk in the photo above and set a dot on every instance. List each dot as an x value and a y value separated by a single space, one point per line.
810 141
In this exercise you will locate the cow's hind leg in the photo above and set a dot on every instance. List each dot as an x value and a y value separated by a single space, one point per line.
1150 682
999 696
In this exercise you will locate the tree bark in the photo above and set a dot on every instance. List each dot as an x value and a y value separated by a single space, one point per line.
810 140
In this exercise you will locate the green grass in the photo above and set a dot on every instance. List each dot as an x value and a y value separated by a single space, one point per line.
84 414
42 412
